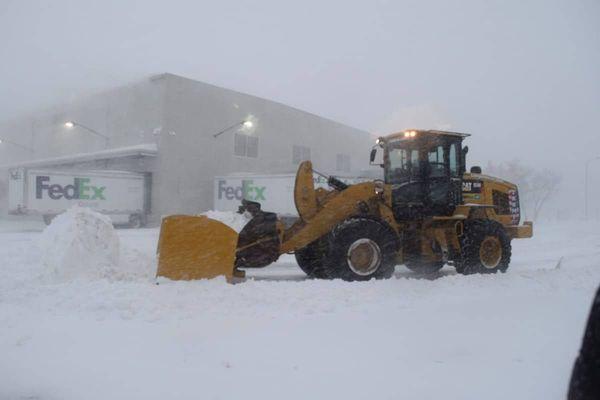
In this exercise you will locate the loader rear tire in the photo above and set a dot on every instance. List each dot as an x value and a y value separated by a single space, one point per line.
310 258
361 249
485 248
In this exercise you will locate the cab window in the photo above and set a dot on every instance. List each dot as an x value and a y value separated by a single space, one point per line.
399 159
437 168
414 162
404 164
453 157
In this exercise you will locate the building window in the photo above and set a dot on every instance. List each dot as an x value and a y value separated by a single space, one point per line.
245 145
300 153
342 162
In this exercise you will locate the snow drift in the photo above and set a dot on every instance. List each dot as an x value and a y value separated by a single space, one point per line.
446 337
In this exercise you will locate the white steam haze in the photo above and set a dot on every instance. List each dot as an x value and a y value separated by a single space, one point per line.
522 76
87 313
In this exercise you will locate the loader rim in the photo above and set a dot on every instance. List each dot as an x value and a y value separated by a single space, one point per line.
490 252
364 257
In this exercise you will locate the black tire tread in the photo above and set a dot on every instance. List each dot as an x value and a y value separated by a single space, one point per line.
343 235
310 258
474 233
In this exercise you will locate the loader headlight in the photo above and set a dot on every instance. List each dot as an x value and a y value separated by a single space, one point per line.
408 134
379 187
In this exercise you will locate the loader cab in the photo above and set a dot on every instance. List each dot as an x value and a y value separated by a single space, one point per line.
424 169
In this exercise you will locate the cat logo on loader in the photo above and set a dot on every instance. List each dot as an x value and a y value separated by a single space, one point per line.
417 215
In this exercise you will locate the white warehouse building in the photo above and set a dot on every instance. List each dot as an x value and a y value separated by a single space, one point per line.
165 127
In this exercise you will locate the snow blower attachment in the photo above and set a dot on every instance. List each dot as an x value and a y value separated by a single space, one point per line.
428 212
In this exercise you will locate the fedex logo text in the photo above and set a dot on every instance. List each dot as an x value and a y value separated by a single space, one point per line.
79 190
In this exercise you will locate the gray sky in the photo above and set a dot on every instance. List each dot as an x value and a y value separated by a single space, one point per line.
522 76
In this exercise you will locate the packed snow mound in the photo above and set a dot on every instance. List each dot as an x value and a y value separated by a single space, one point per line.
232 219
80 243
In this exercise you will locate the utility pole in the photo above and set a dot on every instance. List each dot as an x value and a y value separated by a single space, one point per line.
587 166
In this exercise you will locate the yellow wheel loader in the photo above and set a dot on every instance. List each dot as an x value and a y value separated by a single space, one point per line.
425 213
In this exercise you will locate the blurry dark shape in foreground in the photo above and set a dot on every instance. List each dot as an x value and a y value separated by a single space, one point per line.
585 379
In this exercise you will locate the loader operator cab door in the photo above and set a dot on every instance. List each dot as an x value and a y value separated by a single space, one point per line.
425 172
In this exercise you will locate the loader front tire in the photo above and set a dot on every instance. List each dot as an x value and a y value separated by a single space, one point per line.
310 258
485 248
361 249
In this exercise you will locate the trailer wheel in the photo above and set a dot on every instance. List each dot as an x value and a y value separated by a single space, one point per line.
361 249
425 268
48 218
135 221
310 258
485 248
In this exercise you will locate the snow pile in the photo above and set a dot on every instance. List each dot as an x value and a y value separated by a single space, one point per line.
80 243
232 219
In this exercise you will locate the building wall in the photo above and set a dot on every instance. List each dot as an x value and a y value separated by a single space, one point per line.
129 115
189 155
181 115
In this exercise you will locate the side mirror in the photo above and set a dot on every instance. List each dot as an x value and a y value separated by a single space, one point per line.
465 150
372 156
475 169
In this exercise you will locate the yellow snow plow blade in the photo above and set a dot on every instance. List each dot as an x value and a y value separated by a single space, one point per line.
195 247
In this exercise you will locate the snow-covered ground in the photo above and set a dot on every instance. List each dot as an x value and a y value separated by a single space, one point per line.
280 336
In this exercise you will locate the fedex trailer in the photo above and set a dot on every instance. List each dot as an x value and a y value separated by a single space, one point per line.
122 195
275 192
